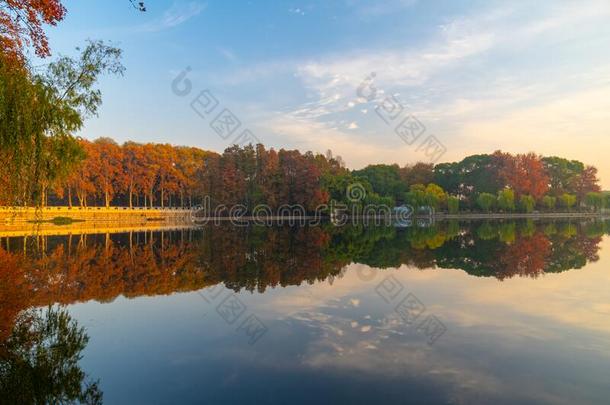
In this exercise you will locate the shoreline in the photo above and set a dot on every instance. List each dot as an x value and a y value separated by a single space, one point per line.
157 216
541 215
35 216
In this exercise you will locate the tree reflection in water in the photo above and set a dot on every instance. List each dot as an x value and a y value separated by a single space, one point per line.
39 361
46 270
41 349
41 271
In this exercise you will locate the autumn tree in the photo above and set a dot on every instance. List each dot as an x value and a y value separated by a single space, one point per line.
585 182
133 169
21 26
110 176
189 162
419 173
524 173
150 173
168 177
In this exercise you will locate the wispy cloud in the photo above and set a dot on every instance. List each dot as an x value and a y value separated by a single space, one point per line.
177 14
469 79
228 54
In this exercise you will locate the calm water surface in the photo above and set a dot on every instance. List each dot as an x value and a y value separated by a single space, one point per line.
455 313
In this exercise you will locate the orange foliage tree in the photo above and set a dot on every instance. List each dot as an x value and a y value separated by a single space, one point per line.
524 173
21 25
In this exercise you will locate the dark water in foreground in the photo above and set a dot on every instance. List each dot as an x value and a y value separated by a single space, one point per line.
479 313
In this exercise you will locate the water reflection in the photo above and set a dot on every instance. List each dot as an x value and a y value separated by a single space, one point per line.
39 361
67 269
339 331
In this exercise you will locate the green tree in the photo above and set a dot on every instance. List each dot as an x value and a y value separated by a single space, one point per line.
549 202
527 203
40 112
594 200
562 173
474 174
506 200
453 204
567 201
486 201
384 179
416 196
435 195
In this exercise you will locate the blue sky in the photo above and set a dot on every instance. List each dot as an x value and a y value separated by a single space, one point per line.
479 75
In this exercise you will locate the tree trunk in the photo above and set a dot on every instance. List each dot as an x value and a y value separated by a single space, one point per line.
69 197
131 196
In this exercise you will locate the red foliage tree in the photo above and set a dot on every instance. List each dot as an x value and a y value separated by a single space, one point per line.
585 182
524 173
21 25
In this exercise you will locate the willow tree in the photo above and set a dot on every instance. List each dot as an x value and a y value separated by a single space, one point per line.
39 114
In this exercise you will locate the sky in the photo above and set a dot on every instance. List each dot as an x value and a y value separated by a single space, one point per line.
375 82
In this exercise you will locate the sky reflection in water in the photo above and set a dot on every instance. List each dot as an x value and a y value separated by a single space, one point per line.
525 307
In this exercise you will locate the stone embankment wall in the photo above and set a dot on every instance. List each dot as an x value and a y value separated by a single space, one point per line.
10 215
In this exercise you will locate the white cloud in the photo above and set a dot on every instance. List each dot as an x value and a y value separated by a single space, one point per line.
228 54
177 14
308 134
475 83
296 11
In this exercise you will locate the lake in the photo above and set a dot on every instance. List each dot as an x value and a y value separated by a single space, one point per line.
499 312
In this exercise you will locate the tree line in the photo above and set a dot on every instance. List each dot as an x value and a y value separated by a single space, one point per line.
500 181
162 175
